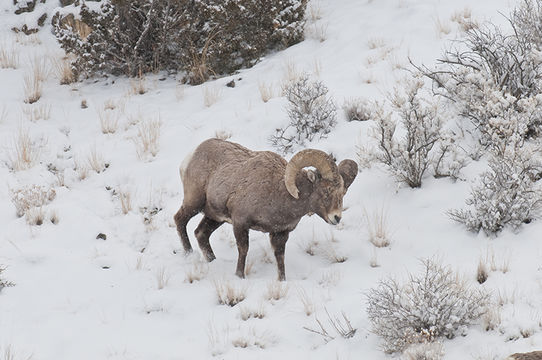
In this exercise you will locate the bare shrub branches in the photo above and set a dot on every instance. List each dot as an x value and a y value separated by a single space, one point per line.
436 303
342 327
488 73
408 158
312 113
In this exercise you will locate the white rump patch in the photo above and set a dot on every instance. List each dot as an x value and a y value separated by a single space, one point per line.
184 164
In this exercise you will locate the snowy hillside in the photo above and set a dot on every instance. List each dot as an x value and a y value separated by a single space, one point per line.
104 275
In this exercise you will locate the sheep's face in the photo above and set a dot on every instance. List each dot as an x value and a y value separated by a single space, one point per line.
327 196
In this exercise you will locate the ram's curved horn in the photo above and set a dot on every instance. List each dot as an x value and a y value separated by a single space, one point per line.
309 157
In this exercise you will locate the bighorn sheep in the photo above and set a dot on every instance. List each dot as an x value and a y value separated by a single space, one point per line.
258 190
535 355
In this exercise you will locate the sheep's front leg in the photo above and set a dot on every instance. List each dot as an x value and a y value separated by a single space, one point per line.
203 232
241 236
278 241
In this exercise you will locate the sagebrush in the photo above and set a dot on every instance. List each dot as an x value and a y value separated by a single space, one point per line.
489 73
312 113
424 144
507 194
437 303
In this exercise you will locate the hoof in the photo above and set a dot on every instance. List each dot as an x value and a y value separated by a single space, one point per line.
240 274
209 257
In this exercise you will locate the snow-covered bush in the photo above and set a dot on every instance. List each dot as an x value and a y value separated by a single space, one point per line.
409 157
489 73
202 38
434 304
508 194
311 111
30 197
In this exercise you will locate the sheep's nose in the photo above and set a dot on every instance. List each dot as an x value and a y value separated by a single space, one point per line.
337 219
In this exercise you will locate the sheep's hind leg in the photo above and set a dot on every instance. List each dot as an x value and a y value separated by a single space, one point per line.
182 217
241 236
203 232
278 241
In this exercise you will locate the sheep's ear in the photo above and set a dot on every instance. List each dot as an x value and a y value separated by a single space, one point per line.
311 175
348 170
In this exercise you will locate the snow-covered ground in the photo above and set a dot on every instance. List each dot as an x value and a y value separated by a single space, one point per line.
127 297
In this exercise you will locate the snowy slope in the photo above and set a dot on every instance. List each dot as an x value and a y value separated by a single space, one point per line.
127 297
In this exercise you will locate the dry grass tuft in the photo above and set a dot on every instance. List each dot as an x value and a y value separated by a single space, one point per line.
330 252
162 278
32 88
196 272
442 27
491 319
211 94
464 19
223 134
230 293
306 300
246 312
109 120
266 91
36 112
374 260
330 278
291 73
35 216
317 32
276 290
9 56
147 141
25 151
138 86
376 43
314 11
481 272
253 339
64 71
96 161
125 198
377 227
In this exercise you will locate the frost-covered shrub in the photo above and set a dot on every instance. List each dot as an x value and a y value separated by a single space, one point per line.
489 73
434 304
30 197
202 38
408 157
508 194
311 111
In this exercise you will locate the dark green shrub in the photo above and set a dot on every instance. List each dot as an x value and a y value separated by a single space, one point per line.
202 38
